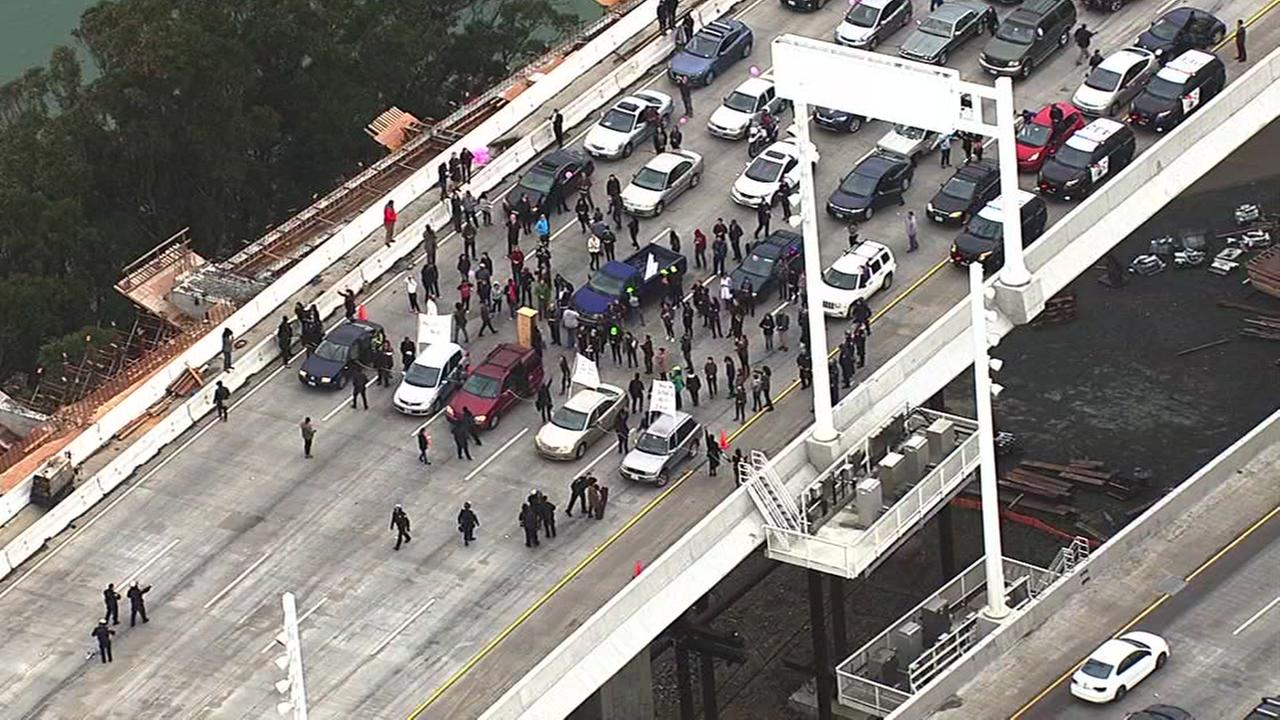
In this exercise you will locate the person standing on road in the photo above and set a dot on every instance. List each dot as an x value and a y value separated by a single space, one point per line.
713 454
709 369
1094 61
348 303
739 403
103 634
467 524
411 292
461 440
111 599
227 346
424 445
635 389
557 127
137 604
389 218
407 353
1083 37
693 385
622 431
735 239
766 387
767 326
358 384
220 396
593 499
529 522
578 492
460 322
400 523
764 214
686 95
782 323
284 340
944 149
308 435
1241 54
543 403
911 228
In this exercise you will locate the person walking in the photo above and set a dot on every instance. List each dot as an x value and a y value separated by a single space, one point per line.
912 229
764 214
460 322
111 599
578 492
424 445
1241 54
467 524
359 381
400 523
389 218
308 436
557 127
1083 36
529 523
543 403
137 603
1094 61
220 396
411 292
461 440
103 634
284 340
227 346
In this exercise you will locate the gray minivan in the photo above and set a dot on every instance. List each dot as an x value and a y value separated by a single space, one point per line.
1028 36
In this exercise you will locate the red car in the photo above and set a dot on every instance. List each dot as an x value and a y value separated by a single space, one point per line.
509 374
1038 140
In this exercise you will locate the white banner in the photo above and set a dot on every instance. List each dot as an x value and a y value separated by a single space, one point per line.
650 267
434 328
586 373
663 398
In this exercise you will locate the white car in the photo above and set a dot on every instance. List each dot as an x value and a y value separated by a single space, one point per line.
1116 81
660 181
1118 665
909 142
762 177
620 129
585 417
745 105
869 22
856 275
431 378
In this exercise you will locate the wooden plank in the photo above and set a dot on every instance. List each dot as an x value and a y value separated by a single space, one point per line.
1083 479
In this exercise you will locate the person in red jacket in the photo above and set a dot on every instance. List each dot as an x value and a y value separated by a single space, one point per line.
389 220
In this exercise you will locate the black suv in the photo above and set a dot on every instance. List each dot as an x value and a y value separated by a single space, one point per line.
555 176
973 185
1028 36
876 181
1179 89
1089 158
1180 30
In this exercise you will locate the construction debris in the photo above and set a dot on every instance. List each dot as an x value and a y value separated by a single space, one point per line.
1059 309
1248 213
1147 265
1050 487
1262 328
1264 272
1205 346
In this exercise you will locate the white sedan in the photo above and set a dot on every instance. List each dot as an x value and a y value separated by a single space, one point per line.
586 417
431 378
744 106
622 128
909 142
661 181
760 181
856 275
1118 665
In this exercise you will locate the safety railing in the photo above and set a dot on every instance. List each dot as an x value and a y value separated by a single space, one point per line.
942 653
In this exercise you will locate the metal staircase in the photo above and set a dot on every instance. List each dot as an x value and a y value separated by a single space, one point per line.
770 495
1065 561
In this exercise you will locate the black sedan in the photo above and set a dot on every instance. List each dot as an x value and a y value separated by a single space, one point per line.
838 120
973 185
769 261
878 180
554 176
1180 30
329 365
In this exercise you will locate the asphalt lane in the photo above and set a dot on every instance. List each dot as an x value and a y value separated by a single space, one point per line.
237 517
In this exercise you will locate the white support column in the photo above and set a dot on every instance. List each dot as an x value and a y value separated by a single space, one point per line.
1014 272
991 544
293 643
824 429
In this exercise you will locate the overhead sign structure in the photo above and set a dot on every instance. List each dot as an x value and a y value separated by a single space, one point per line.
662 397
585 372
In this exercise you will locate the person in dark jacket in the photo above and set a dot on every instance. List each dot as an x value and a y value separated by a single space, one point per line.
103 634
713 454
578 492
137 604
543 403
358 384
400 523
227 345
467 523
461 440
220 396
111 599
284 339
529 522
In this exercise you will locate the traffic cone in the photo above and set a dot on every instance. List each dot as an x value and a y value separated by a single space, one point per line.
360 312
639 568
724 440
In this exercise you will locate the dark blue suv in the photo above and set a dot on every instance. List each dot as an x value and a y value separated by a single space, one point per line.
711 51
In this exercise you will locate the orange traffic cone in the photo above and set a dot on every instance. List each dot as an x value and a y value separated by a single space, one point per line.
639 568
360 312
724 440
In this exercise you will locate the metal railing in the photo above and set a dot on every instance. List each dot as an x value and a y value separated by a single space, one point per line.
942 653
771 497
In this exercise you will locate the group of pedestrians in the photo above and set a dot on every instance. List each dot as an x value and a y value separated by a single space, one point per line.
103 632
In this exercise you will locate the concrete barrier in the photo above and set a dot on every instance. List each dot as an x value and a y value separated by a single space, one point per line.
1119 548
18 497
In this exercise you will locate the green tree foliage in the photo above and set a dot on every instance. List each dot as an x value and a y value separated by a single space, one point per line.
223 115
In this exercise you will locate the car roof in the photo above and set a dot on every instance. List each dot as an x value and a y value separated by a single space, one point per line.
630 104
718 29
754 86
1125 58
1185 65
992 209
348 332
587 399
664 424
1087 138
504 357
437 354
977 170
782 238
560 158
872 3
956 9
667 161
1113 651
857 257
1042 115
781 151
877 164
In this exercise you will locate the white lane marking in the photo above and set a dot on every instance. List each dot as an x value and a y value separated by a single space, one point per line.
387 640
599 457
138 573
776 310
341 405
237 581
129 491
490 459
1256 615
279 638
428 422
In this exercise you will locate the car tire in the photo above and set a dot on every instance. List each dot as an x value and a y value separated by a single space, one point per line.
872 43
693 181
746 51
1161 659
1027 67
868 213
942 59
1120 693
709 78
1065 37
1115 5
493 421
855 125
661 480
657 209
906 183
888 281
626 150
579 451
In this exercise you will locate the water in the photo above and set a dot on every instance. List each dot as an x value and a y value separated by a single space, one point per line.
31 29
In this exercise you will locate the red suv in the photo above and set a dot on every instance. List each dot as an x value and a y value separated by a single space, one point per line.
1038 140
508 375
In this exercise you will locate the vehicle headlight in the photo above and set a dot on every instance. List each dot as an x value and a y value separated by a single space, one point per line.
302 373
325 380
984 256
956 214
1071 183
1034 156
449 411
481 418
1164 114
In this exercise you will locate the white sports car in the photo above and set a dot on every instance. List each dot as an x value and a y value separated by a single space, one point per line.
1118 665
620 129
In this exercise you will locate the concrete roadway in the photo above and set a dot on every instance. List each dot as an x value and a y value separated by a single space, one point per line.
235 516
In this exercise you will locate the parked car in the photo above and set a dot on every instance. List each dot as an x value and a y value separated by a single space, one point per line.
330 364
983 237
1160 712
945 30
711 50
1038 140
429 381
965 193
769 261
1180 30
556 174
1028 36
869 22
804 4
760 181
1115 81
663 179
509 374
588 415
642 273
908 142
668 442
1087 159
878 180
622 127
1178 89
1118 665
837 120
856 275
745 105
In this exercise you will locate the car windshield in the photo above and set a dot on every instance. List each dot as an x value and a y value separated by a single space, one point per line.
740 101
1016 32
936 27
332 351
1094 668
655 444
482 386
1163 89
650 179
422 376
862 16
987 229
842 281
1034 134
569 419
760 263
908 132
1165 30
702 46
764 170
858 185
606 284
959 188
619 120
538 180
1074 158
1103 79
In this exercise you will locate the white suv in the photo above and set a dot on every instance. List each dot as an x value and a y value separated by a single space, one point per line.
856 275
745 105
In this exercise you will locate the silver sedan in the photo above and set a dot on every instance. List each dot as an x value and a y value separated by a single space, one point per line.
661 181
586 417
